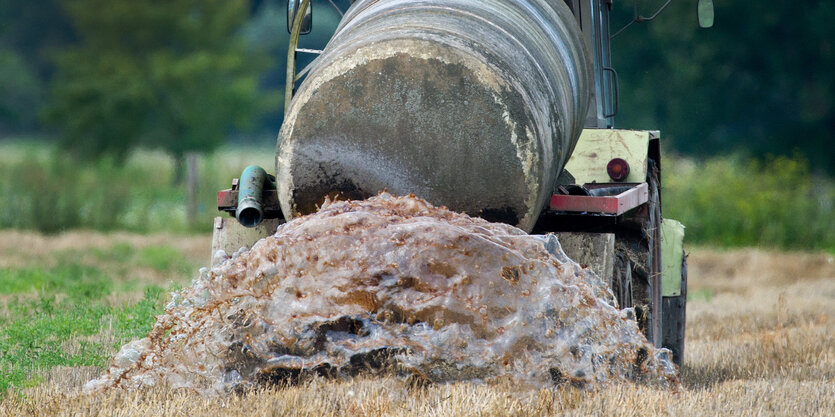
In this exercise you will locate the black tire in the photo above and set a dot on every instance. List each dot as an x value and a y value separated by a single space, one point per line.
637 248
675 315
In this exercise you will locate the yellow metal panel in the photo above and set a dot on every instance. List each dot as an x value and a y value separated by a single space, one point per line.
597 147
672 241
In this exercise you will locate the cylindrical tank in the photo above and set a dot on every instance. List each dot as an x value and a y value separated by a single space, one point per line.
471 104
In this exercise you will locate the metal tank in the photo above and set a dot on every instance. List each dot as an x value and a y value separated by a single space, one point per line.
471 104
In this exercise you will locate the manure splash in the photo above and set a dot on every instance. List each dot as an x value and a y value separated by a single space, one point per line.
392 284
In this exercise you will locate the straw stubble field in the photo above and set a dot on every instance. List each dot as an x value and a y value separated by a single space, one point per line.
760 342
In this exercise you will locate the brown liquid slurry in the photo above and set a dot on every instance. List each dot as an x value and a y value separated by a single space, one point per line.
396 284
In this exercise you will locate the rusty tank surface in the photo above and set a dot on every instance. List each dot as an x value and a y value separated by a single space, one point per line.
473 105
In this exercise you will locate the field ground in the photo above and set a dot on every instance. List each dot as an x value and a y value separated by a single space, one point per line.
760 340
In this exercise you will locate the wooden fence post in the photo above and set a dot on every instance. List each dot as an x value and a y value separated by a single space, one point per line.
192 182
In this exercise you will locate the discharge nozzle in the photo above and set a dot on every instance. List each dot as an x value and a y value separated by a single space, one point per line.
250 211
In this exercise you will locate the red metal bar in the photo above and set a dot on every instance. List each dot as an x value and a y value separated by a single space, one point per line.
613 205
227 198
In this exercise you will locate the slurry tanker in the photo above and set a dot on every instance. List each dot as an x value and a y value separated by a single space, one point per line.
502 109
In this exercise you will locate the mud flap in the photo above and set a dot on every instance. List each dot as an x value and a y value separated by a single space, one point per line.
230 236
674 287
672 248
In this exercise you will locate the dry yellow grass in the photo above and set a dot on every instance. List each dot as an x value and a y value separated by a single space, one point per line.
760 343
367 397
20 249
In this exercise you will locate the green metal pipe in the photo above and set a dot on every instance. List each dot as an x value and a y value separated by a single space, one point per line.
250 212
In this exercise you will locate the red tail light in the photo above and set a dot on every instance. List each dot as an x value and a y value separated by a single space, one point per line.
618 169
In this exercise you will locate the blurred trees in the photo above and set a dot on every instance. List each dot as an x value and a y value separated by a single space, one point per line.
185 74
33 29
22 93
266 32
761 81
170 74
28 31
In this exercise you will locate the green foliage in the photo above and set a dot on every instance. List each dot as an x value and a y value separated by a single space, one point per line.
163 258
704 294
74 280
48 192
181 74
31 29
761 81
28 30
119 252
729 201
733 202
53 194
132 322
173 75
61 315
35 333
22 93
266 31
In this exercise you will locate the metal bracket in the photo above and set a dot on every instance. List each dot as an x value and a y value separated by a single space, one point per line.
609 205
616 91
295 33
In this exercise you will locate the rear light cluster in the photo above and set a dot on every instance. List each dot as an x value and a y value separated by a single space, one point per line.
618 169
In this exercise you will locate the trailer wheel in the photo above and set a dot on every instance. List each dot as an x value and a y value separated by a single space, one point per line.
638 240
631 281
622 279
674 321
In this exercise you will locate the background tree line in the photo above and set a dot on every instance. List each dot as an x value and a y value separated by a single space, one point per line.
105 76
760 82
